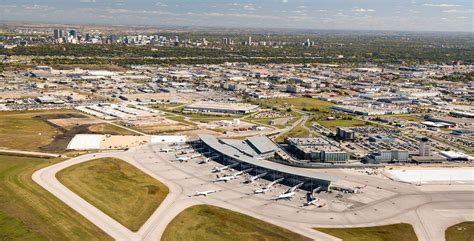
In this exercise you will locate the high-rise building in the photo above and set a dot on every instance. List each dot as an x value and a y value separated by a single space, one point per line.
225 41
249 40
73 33
112 38
425 147
176 41
58 33
308 43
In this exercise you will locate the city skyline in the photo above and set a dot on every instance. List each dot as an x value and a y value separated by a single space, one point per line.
411 15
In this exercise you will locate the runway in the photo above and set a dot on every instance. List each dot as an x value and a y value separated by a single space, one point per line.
430 213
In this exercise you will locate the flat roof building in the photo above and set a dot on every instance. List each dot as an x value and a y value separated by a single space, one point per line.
316 150
221 108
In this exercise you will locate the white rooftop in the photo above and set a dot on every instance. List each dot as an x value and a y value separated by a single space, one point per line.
85 142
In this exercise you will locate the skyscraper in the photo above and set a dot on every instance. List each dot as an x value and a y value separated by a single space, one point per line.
58 33
73 33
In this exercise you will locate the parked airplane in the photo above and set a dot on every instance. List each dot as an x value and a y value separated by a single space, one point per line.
204 161
242 172
203 193
290 193
195 156
182 158
220 169
166 149
231 177
224 178
268 187
311 199
256 177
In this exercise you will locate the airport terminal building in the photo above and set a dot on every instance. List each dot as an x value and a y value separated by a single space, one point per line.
251 153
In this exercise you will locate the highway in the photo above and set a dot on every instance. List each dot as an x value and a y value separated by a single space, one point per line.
430 213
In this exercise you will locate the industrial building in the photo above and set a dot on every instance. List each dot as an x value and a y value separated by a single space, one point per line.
316 150
250 153
450 121
228 108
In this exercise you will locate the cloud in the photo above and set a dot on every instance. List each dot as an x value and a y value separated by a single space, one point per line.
458 11
441 5
88 1
37 7
362 10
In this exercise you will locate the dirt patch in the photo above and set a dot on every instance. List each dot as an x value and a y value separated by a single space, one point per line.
60 116
68 123
61 141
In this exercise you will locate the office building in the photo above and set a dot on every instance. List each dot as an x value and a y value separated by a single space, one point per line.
58 33
345 134
385 156
425 147
316 150
73 33
225 41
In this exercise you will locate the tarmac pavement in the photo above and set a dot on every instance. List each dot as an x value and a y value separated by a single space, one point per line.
430 213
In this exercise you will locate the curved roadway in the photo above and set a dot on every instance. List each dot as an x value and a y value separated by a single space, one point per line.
430 213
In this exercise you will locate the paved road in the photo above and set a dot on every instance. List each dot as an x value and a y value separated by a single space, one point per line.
29 153
429 212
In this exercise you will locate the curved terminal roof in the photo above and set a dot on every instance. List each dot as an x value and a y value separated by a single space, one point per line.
232 152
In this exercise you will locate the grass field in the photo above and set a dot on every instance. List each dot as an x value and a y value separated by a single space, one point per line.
24 131
332 124
210 223
117 188
409 118
166 107
394 232
265 122
298 131
109 129
28 212
299 103
180 119
13 229
460 232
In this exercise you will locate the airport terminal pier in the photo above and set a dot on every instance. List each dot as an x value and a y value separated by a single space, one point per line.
249 154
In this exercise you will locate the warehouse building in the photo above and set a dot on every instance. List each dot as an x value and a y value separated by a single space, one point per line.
221 108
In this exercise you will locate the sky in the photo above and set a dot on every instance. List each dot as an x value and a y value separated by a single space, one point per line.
398 15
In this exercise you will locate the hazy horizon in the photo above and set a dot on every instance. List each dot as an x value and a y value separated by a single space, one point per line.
359 15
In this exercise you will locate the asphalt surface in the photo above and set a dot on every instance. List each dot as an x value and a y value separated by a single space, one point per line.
430 213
